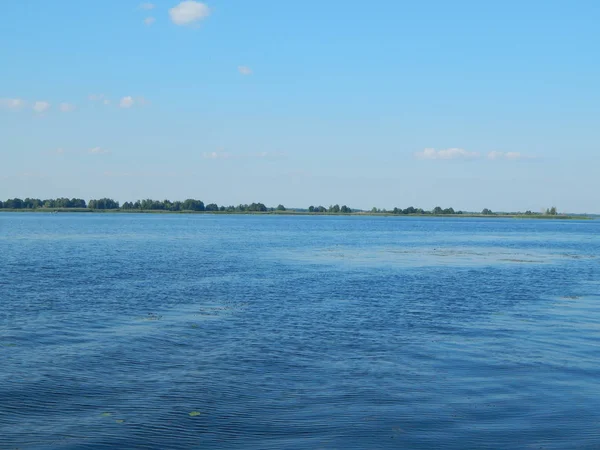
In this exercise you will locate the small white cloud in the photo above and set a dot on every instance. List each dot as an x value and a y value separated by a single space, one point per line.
450 153
511 156
270 155
147 6
95 97
106 102
216 155
12 103
126 102
245 70
41 106
66 107
188 12
149 20
98 151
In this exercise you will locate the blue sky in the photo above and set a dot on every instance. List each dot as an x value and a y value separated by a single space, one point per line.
467 104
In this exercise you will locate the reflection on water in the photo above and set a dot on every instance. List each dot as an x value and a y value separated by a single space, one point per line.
298 332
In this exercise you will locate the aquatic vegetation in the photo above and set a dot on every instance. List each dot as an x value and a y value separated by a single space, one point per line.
195 413
106 414
151 317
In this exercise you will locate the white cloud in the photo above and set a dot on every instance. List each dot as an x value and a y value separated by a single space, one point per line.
98 151
188 12
268 154
66 107
147 6
221 154
149 20
41 106
245 70
511 156
449 153
216 155
126 102
106 102
95 97
12 103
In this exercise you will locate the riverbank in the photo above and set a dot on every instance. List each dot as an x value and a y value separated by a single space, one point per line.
299 213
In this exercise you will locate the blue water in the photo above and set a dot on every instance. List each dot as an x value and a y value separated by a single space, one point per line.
262 332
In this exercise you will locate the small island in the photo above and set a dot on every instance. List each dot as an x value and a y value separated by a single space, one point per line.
194 206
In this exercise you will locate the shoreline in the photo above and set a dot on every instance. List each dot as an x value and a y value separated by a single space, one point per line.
298 213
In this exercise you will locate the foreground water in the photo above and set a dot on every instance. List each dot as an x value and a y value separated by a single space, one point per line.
242 332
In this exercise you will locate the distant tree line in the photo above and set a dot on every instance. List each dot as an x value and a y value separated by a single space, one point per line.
332 209
141 205
36 203
199 206
437 211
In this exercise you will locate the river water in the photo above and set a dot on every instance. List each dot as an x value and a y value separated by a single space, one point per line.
297 332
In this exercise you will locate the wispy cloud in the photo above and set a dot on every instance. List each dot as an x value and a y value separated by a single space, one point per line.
126 102
41 107
216 155
149 21
66 107
449 153
189 12
245 70
459 153
96 97
98 151
129 102
12 103
511 156
221 154
147 174
271 155
147 6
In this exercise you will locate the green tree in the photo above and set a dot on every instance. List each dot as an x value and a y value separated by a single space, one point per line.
192 205
102 203
257 207
280 208
13 203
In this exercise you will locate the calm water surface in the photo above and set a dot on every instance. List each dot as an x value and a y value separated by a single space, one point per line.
259 332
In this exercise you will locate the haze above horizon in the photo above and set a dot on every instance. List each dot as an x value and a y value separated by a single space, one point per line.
389 104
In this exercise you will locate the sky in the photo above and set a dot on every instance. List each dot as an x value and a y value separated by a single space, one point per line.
463 104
